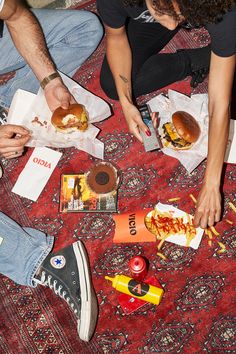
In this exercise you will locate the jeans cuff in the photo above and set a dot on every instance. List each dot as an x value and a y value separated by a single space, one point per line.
43 255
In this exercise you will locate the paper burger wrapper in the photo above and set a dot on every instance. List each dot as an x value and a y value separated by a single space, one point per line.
130 227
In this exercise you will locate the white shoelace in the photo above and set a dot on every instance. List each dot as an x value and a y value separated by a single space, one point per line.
47 281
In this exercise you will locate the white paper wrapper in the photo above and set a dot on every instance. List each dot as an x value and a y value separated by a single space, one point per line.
36 172
26 106
180 239
197 106
230 154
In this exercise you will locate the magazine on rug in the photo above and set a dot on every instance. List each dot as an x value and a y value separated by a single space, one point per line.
76 196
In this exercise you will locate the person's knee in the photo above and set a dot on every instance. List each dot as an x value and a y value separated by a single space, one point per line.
94 27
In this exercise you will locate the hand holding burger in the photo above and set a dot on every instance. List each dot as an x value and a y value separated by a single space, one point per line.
72 119
182 132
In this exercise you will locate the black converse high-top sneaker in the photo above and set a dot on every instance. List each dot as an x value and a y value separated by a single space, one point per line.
67 273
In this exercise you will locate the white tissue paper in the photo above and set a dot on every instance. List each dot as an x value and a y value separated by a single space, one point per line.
36 173
180 239
230 154
26 106
197 106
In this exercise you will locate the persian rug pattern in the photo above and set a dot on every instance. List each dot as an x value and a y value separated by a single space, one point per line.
197 313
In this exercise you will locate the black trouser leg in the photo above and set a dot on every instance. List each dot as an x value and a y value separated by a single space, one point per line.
159 71
150 70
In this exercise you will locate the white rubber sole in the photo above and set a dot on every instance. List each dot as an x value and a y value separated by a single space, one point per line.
89 307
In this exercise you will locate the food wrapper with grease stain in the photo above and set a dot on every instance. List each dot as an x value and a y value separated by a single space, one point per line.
32 111
171 224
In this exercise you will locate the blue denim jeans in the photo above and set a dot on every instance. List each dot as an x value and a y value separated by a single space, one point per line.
71 37
22 250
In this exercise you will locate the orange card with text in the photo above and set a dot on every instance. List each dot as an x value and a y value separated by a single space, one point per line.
130 227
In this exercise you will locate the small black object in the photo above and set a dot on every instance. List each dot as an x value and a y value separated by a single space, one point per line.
3 115
102 178
1 28
145 112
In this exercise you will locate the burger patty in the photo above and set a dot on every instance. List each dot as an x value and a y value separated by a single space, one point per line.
172 136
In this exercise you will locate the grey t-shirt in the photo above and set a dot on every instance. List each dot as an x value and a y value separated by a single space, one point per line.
223 34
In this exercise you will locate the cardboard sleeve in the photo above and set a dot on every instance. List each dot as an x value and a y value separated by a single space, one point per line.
130 227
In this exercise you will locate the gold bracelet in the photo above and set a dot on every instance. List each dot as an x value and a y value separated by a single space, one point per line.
49 78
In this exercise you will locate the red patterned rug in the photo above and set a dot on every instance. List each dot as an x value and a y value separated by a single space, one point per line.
197 313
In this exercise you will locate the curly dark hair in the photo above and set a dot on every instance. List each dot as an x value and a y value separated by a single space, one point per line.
197 12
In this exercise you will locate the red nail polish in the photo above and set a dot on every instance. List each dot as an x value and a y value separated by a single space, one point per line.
148 133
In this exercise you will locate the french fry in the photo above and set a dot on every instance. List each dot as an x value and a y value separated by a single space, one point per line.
232 206
193 198
222 248
221 244
173 199
210 243
208 233
229 221
160 244
161 255
214 231
221 251
188 217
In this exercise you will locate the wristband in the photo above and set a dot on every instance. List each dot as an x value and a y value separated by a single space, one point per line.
47 79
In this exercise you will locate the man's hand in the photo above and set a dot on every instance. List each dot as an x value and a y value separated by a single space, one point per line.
12 140
135 122
58 95
208 208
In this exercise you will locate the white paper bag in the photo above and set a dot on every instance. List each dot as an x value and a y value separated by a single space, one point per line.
36 173
230 154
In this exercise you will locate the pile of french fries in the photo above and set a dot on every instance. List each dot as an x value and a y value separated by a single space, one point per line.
164 224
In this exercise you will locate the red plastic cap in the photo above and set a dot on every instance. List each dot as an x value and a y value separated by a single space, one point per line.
138 267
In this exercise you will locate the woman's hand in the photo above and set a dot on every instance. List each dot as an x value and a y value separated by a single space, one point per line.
58 95
135 122
12 140
208 208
